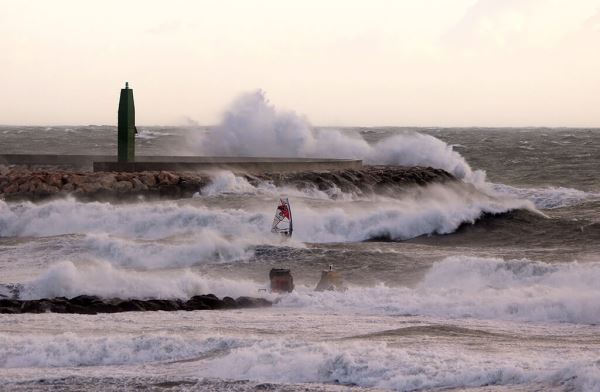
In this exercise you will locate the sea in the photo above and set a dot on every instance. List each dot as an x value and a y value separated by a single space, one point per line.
491 283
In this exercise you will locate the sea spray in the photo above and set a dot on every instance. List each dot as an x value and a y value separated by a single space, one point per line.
427 210
68 279
252 126
204 246
275 359
457 287
477 287
70 349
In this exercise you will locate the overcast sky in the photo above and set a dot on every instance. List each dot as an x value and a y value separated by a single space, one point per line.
371 62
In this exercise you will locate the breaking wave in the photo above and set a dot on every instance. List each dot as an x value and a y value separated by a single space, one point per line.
457 287
382 365
253 127
224 182
437 209
67 279
547 198
70 349
271 359
204 246
473 287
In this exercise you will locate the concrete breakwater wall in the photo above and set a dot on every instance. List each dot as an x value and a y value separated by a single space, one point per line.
104 163
24 184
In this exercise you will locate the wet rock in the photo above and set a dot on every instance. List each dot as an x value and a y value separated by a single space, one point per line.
7 310
89 304
84 300
38 306
130 306
196 303
229 303
167 178
138 186
209 300
55 180
11 188
123 186
89 187
10 303
148 179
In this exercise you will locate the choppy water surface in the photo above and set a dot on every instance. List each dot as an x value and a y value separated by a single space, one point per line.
492 283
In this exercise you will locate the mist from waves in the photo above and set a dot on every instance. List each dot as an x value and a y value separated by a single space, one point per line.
251 126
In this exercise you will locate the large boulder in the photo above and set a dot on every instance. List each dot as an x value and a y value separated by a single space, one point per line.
123 186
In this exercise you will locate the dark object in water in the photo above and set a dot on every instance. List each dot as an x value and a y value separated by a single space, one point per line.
281 280
330 281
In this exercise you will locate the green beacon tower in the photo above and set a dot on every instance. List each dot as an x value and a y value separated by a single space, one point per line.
126 127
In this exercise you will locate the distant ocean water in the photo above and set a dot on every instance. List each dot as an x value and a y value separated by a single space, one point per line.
490 284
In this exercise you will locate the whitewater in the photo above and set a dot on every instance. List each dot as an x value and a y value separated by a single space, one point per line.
487 283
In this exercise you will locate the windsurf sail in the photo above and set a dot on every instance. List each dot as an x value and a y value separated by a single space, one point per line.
282 223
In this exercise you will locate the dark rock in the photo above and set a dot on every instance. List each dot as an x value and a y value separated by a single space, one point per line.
210 300
84 300
103 307
89 304
196 303
130 306
10 303
229 303
163 304
8 310
36 306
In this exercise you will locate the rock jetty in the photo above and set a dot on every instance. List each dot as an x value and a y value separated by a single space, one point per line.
19 183
89 304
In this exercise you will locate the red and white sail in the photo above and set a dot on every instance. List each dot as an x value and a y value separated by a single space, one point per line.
282 223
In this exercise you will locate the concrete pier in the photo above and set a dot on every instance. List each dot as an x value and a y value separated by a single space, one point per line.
235 164
110 163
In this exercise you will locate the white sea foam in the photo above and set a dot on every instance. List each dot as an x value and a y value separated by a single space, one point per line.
141 220
457 287
254 127
276 359
67 279
549 197
485 288
69 349
434 209
149 134
437 209
205 246
381 365
224 182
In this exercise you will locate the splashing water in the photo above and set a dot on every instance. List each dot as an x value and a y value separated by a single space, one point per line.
254 127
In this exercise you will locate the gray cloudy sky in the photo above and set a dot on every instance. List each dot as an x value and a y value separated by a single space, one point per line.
403 62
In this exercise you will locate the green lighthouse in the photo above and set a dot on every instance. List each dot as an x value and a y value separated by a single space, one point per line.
126 127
